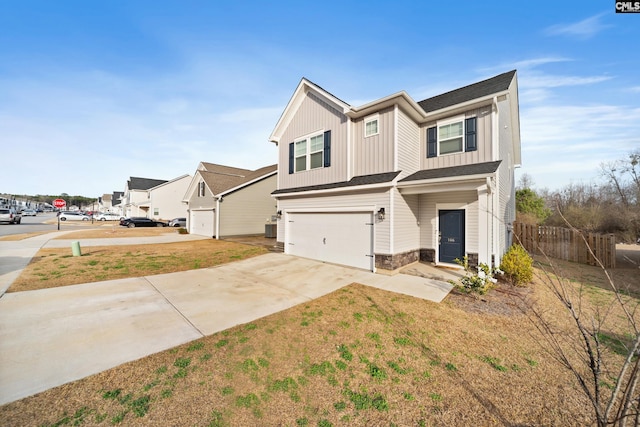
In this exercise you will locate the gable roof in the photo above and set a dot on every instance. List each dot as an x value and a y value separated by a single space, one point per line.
136 183
454 171
221 169
115 199
223 180
378 178
304 87
499 83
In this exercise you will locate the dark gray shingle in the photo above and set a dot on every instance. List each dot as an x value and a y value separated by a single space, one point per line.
454 171
490 86
377 178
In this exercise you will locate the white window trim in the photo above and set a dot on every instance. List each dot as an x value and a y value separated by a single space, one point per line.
367 120
449 121
308 152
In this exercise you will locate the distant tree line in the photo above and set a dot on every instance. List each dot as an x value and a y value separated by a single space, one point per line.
611 206
79 201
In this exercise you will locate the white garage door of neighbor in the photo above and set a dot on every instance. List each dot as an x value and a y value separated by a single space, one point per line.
202 223
339 237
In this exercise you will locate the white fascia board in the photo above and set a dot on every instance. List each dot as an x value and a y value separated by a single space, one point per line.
402 99
168 182
248 183
467 182
304 87
189 191
350 189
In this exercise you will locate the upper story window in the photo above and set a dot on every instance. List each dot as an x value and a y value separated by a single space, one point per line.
311 152
455 135
371 126
201 189
450 137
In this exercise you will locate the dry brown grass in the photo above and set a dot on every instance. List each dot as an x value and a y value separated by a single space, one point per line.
57 267
359 356
22 236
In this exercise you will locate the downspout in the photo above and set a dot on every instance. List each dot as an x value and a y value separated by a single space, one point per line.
348 148
495 150
218 218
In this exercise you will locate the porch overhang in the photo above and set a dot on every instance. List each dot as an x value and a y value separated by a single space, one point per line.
455 178
446 185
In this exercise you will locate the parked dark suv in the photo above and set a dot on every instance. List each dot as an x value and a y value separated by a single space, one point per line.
10 216
141 222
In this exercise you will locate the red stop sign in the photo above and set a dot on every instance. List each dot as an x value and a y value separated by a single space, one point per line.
59 203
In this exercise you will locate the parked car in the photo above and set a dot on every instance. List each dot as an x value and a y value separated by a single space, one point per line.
29 212
138 221
107 216
73 216
178 222
10 216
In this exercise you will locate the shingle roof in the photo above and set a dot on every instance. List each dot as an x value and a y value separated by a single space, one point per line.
378 178
221 179
115 198
136 183
323 89
454 171
213 167
490 86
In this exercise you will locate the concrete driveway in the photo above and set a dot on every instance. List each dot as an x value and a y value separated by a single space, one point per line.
53 336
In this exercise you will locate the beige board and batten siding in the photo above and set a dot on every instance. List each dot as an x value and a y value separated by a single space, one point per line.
247 210
429 205
408 134
371 199
481 155
374 154
314 115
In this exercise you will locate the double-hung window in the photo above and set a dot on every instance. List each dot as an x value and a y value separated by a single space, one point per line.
450 137
371 126
311 152
455 135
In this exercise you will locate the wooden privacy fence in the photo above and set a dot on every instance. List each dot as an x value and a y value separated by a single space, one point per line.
567 244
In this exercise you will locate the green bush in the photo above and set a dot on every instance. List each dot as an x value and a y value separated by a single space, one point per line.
517 266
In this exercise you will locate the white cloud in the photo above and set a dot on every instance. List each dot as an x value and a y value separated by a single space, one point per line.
562 143
584 29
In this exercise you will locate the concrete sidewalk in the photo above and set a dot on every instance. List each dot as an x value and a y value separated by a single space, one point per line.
53 336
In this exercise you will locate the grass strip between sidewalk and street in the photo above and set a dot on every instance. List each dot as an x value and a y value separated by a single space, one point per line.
54 267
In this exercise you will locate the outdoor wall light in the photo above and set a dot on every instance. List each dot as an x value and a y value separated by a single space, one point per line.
381 214
279 214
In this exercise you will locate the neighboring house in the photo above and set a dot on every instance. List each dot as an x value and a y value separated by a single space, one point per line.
116 202
165 200
135 200
104 203
228 201
395 181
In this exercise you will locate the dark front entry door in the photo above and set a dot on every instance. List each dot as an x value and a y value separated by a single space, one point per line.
451 244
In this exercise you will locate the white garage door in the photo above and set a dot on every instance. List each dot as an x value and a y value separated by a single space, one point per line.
202 223
338 237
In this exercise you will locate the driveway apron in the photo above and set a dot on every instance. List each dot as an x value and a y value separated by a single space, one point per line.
53 336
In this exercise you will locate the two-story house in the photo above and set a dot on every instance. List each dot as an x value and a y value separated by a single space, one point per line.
135 199
225 201
395 181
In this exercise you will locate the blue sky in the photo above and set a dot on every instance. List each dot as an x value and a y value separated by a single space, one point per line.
93 92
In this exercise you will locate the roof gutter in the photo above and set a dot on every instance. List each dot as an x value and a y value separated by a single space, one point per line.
345 189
